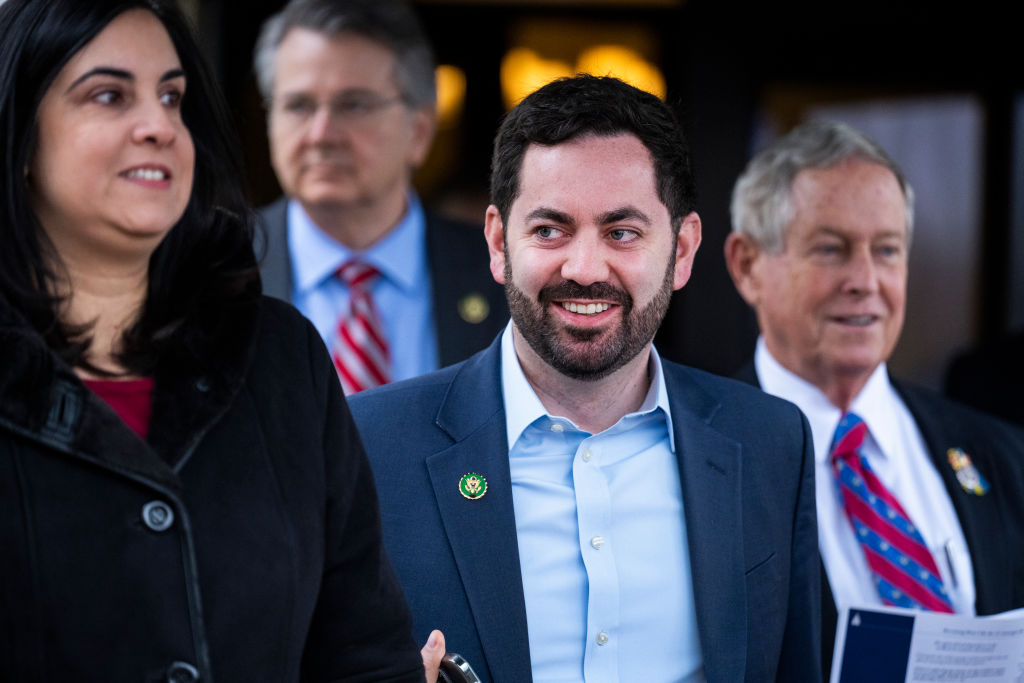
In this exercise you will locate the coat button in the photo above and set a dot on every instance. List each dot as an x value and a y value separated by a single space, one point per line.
157 515
182 672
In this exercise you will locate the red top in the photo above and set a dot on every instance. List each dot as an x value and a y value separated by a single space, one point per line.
132 399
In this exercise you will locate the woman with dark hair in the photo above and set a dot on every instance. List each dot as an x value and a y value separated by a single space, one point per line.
183 495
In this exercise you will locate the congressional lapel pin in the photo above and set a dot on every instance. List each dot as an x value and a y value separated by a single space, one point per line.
966 473
473 308
472 485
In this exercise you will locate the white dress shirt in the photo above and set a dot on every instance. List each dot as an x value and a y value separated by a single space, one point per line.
602 540
899 457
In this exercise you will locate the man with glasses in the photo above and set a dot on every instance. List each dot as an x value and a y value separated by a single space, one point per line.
394 291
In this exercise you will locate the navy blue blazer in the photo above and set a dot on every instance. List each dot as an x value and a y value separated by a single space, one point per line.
459 270
993 524
747 470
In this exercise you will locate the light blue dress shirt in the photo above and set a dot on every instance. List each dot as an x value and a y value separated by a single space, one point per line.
402 294
602 540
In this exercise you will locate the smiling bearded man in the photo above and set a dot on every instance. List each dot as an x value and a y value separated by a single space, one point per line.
566 503
591 361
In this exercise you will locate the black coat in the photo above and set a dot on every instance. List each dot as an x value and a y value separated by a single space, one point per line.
241 543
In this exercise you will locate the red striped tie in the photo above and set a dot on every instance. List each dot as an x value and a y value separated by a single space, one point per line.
902 567
360 350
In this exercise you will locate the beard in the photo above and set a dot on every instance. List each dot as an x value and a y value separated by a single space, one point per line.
586 353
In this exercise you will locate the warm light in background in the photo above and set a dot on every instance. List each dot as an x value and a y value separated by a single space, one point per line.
451 94
624 63
535 50
541 50
523 70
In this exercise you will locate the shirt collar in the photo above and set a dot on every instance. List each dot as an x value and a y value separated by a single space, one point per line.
400 256
522 407
877 403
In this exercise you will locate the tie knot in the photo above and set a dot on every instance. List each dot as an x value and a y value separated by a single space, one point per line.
849 436
357 274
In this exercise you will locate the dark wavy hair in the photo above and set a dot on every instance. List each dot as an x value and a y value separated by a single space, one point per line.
206 260
581 105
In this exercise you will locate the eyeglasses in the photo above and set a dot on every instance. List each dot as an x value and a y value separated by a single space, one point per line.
348 108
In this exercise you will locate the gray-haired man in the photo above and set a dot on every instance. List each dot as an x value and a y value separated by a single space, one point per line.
822 223
349 87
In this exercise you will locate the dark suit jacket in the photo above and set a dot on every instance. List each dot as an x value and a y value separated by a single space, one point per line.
990 377
748 494
459 268
993 524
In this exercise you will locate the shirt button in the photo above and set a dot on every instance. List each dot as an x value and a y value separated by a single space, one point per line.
597 542
555 427
157 515
586 455
602 638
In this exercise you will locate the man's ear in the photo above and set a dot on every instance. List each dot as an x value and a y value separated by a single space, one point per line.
494 233
742 255
687 242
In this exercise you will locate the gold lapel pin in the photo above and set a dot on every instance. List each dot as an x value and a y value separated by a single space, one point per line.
967 474
473 308
472 485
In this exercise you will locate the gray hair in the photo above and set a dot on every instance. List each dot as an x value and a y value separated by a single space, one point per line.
762 200
392 23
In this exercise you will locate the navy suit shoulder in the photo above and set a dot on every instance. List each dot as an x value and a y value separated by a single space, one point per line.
744 413
401 418
747 470
737 396
748 502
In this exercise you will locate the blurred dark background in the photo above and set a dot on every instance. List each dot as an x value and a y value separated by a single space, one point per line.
940 89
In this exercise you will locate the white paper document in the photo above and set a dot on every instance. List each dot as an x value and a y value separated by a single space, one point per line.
888 644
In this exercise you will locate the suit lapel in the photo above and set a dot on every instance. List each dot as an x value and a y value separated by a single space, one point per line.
829 612
460 275
482 532
978 515
709 467
272 250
